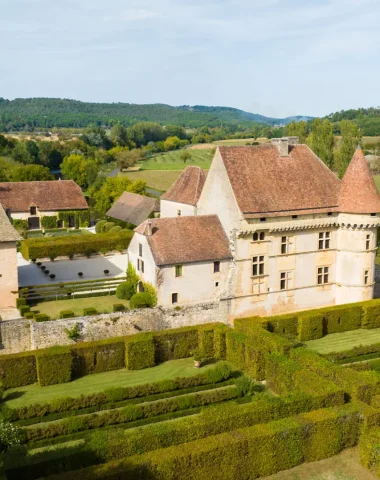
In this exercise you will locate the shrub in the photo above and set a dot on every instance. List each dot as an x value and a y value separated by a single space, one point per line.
41 317
52 276
49 221
89 311
369 449
220 341
73 333
24 309
151 292
96 357
371 314
118 307
20 301
139 351
99 226
80 274
54 366
222 371
310 326
107 226
206 340
235 348
18 369
175 343
141 300
66 314
115 229
126 290
29 315
20 225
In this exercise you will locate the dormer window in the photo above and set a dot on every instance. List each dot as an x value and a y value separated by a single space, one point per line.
33 210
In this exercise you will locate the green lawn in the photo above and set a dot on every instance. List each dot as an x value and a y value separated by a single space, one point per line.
377 181
172 160
338 342
101 381
102 305
160 180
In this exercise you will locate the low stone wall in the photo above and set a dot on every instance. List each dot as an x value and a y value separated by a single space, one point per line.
22 335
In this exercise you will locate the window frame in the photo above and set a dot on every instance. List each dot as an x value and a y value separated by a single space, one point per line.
258 265
367 273
368 241
217 266
33 209
323 273
258 286
174 298
258 236
140 250
324 240
286 246
178 270
286 280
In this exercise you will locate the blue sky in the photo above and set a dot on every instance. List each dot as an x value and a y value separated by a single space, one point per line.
274 57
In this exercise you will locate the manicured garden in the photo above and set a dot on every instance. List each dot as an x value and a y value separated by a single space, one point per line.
59 232
174 160
339 342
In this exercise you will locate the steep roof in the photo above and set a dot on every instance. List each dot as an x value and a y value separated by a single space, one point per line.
186 239
188 187
46 195
133 208
358 193
266 184
7 232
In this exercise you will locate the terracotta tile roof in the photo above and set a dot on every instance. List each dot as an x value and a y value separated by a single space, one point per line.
133 208
47 196
188 187
358 193
180 240
266 184
7 232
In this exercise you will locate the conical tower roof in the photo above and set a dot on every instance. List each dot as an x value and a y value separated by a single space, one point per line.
358 192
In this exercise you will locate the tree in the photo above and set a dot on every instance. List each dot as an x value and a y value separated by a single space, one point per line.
321 140
351 137
119 135
97 137
185 156
127 158
297 129
31 173
21 154
171 143
73 167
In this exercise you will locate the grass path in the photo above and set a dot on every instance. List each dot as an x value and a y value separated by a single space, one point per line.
338 342
98 382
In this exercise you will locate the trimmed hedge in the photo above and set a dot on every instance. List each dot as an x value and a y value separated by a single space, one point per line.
369 449
140 300
89 311
220 349
139 352
371 314
118 307
66 314
175 343
54 366
310 326
206 340
41 317
18 369
97 357
76 244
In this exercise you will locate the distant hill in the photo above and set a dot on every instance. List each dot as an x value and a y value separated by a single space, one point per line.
368 119
26 113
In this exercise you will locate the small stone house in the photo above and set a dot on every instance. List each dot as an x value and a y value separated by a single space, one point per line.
185 258
8 262
298 237
30 202
133 208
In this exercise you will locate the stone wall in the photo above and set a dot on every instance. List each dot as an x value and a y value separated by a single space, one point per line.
22 335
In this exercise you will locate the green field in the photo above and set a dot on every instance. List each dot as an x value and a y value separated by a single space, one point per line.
173 161
377 181
102 305
160 180
99 382
339 342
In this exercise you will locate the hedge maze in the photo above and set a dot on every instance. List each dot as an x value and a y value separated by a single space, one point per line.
305 408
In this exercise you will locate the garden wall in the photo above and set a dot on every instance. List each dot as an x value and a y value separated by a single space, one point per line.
22 335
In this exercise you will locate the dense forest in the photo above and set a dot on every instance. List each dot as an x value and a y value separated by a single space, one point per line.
31 114
367 119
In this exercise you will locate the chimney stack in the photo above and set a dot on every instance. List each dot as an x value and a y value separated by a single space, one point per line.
283 144
149 229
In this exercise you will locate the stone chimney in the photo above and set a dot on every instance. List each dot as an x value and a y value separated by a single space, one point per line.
149 230
283 144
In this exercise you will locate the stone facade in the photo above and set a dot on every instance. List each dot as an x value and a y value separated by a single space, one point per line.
8 275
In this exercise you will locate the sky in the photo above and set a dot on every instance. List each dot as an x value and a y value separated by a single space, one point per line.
273 57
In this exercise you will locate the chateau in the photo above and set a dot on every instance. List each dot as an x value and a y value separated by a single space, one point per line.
269 230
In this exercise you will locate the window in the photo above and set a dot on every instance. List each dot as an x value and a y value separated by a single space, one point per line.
140 249
286 280
258 286
216 267
140 265
323 275
263 219
373 214
258 266
258 236
217 284
174 297
366 277
33 210
285 245
329 214
324 241
178 270
294 216
179 213
368 241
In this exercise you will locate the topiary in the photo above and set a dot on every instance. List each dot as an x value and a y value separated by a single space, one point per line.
99 226
115 229
126 290
107 226
141 300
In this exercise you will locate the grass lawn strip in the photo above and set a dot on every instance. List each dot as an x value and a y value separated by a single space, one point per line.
102 412
172 160
339 342
98 382
102 304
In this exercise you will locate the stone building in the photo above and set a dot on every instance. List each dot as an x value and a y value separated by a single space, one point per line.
8 262
31 201
299 237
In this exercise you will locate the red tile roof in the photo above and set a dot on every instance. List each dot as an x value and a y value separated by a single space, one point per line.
266 184
188 186
180 240
133 208
47 196
358 193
